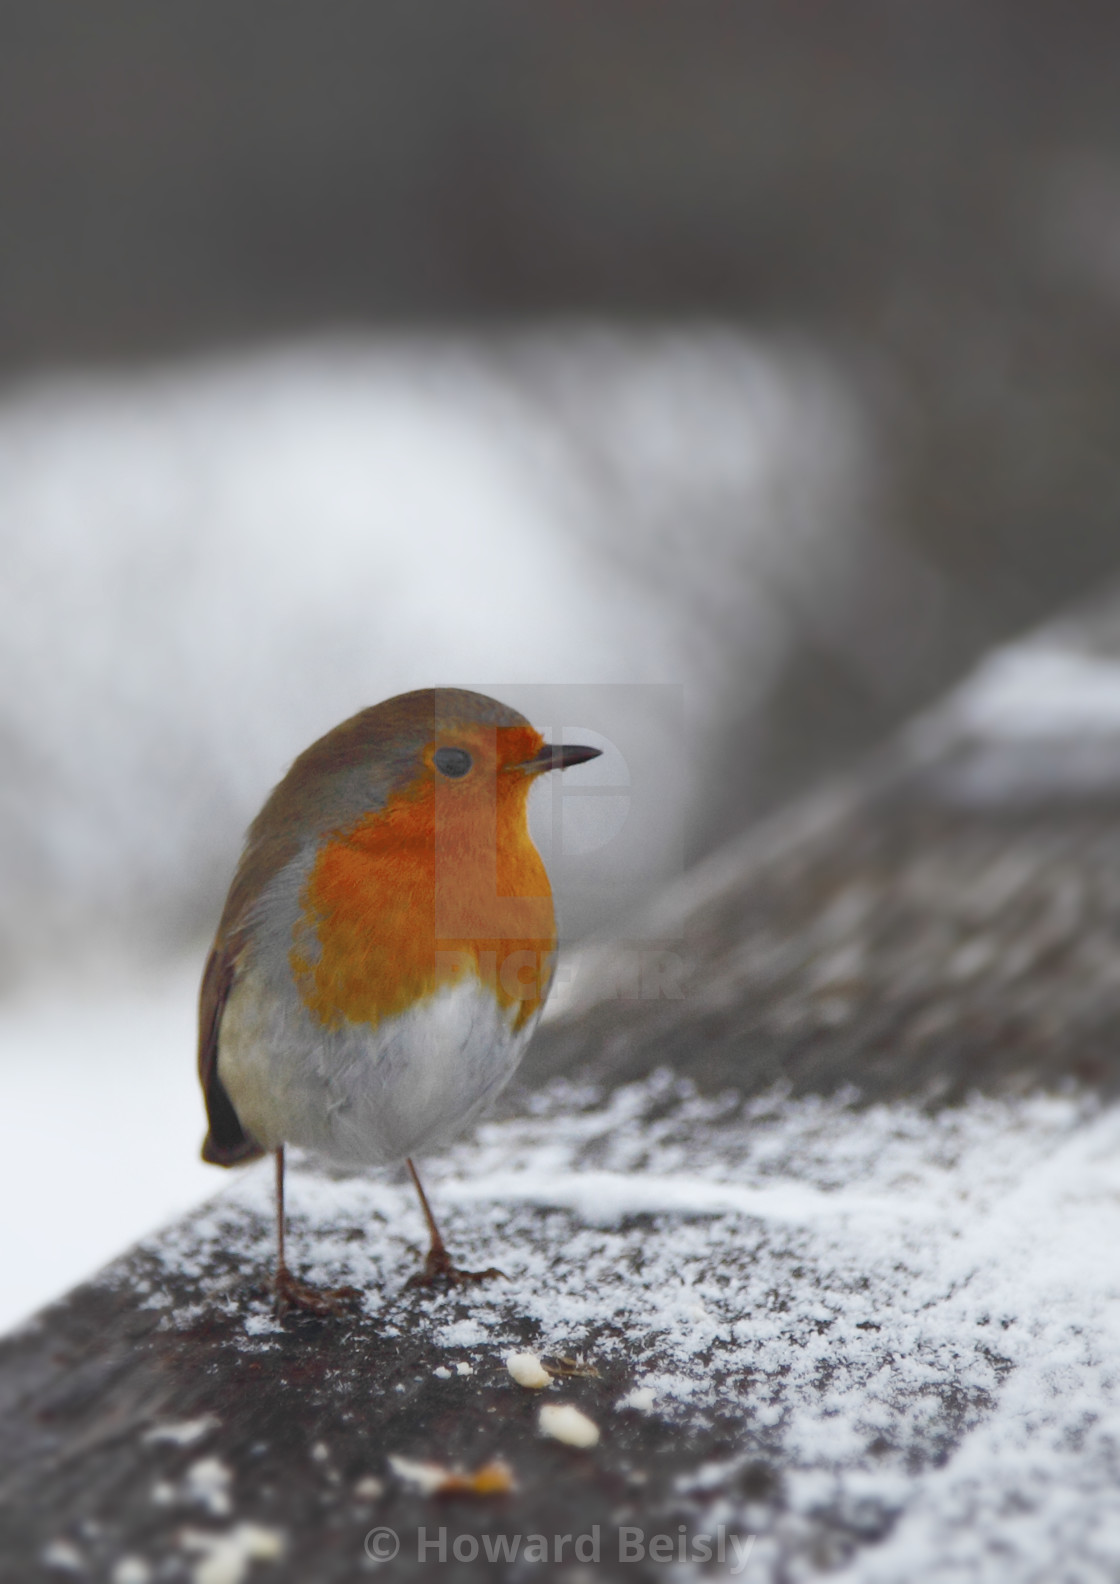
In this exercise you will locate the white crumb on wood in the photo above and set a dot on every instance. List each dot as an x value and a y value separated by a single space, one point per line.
463 1368
207 1482
639 1397
709 1476
130 1570
442 1373
564 1422
424 1477
369 1488
225 1558
64 1556
184 1434
527 1370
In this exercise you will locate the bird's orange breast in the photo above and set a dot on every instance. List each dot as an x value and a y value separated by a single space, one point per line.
443 882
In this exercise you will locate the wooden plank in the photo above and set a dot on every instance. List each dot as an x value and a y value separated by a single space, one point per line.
941 924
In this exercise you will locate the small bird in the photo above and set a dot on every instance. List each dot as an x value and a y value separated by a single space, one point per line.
385 949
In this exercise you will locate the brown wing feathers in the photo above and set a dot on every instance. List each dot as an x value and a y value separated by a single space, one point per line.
227 1143
299 803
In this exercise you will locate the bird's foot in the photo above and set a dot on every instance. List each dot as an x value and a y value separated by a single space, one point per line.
438 1271
291 1293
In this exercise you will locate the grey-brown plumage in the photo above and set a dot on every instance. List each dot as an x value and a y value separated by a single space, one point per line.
352 769
277 1067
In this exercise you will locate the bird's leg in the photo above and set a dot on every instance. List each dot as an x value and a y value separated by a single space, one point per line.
438 1269
291 1293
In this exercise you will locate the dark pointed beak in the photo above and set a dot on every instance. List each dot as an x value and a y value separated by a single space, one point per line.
558 756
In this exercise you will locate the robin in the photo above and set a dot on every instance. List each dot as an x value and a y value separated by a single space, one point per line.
385 950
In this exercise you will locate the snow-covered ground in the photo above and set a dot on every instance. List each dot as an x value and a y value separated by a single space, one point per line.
915 1319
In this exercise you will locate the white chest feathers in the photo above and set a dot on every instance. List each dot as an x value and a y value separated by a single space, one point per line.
362 1096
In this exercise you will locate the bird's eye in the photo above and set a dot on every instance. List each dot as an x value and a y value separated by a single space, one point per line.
452 761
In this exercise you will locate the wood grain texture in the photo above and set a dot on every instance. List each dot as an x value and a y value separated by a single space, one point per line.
945 920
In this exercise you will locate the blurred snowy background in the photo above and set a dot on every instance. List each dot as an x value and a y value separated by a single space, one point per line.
767 359
210 565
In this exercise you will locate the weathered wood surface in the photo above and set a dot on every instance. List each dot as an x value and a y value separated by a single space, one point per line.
847 984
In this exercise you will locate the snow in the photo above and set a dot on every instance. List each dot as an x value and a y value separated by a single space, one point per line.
209 564
639 1397
1037 721
1036 689
603 1198
919 1315
936 1358
100 1127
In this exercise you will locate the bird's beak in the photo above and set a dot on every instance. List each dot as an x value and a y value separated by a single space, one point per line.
557 756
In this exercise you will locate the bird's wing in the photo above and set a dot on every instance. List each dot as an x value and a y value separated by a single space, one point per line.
226 1143
292 814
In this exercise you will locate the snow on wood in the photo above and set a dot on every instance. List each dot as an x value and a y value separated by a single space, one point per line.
830 1236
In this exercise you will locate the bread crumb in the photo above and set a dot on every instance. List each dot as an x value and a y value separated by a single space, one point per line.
432 1479
130 1570
63 1555
527 1370
225 1558
491 1479
564 1422
183 1434
207 1482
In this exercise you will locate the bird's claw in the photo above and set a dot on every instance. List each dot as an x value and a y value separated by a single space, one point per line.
439 1271
292 1294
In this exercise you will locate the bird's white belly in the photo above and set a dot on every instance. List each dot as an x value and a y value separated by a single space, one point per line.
361 1095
